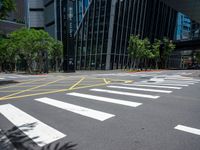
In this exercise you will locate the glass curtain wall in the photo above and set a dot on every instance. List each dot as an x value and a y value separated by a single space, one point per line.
115 23
92 36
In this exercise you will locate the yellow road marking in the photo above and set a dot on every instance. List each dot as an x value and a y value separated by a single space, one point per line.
29 81
88 86
116 80
51 92
36 87
77 83
107 82
73 87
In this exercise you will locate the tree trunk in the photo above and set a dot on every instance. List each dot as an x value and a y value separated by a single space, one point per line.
29 63
156 64
138 62
0 67
56 69
40 65
134 64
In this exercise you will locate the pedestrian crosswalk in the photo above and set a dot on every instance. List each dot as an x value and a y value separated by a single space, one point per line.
39 132
125 93
98 115
155 86
106 99
46 134
140 89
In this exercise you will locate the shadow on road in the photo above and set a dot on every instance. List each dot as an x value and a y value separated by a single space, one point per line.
8 82
15 139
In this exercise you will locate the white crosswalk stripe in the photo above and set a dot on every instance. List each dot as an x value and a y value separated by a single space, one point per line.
12 77
140 89
181 79
178 81
106 99
170 84
126 93
98 115
2 78
39 132
153 86
188 129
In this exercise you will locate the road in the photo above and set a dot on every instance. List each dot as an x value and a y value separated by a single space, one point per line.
101 110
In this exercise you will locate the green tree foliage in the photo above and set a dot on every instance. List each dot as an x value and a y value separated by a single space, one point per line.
139 51
155 49
143 53
167 49
135 50
6 7
56 54
35 46
198 57
8 54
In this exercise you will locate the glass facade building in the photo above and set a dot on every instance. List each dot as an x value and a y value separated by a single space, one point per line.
183 28
102 36
95 33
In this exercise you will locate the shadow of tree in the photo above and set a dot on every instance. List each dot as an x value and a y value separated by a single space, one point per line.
8 82
15 139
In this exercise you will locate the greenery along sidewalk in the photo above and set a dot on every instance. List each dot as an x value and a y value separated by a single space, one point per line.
145 54
33 47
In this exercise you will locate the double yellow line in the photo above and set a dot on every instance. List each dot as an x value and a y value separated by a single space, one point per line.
33 88
73 87
52 92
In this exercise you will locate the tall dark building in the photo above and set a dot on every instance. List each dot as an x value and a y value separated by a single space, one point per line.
95 33
103 33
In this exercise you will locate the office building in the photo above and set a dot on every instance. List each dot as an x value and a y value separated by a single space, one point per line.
101 40
95 33
183 28
15 19
35 14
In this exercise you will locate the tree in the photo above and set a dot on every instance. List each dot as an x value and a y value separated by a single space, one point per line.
167 48
6 6
155 49
2 52
134 50
146 53
56 54
33 45
23 40
8 54
43 47
198 57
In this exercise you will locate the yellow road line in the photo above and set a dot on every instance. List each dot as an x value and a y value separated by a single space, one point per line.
51 92
107 82
77 83
88 86
36 87
125 81
73 87
29 81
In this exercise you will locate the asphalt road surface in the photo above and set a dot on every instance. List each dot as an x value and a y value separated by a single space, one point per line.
101 110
